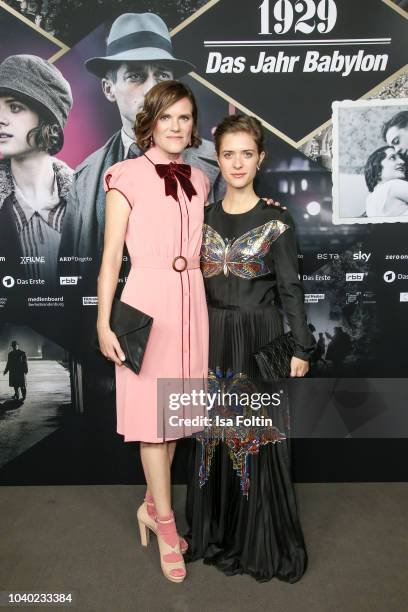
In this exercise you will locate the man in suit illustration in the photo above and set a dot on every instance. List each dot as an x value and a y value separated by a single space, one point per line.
17 369
139 55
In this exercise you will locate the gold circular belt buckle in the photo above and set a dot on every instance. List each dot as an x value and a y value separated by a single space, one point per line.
174 263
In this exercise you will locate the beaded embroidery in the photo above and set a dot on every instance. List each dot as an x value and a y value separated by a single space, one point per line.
242 257
240 441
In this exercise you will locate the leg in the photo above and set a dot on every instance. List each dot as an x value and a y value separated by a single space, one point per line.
156 467
16 393
23 391
171 449
148 500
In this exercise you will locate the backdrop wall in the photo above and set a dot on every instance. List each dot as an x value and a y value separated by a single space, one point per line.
286 62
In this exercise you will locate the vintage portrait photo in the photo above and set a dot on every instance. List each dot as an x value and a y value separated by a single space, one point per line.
370 156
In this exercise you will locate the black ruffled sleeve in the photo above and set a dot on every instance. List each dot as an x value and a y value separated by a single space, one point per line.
285 260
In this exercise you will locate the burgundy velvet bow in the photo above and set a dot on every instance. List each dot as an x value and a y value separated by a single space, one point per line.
174 172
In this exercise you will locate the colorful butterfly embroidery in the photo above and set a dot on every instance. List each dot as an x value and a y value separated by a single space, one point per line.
243 256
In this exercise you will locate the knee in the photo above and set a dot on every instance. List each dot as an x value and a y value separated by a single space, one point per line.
160 447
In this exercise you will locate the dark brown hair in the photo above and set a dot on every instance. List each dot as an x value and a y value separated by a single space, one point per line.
240 123
400 120
157 100
373 168
48 136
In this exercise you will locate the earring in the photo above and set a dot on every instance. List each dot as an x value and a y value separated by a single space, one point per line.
151 140
258 167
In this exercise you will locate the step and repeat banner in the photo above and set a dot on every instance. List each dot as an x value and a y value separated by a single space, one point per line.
327 78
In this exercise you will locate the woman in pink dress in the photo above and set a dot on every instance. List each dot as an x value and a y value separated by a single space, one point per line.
156 204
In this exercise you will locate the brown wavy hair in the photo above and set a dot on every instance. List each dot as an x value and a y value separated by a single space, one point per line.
240 123
157 101
373 167
48 136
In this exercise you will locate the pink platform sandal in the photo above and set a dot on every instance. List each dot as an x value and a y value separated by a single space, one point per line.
151 511
171 559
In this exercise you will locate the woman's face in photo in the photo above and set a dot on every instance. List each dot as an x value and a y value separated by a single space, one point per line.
172 132
16 120
393 166
238 158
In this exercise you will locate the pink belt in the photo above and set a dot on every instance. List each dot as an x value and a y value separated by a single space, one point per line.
178 263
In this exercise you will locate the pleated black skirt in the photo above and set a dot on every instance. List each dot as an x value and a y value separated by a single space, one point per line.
245 522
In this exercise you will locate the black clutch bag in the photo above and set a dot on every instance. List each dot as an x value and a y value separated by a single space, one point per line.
132 328
274 359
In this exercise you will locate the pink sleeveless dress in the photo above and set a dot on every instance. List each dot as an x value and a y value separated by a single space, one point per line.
160 229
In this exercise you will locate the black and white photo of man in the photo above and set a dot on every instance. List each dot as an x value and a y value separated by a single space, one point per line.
139 54
395 134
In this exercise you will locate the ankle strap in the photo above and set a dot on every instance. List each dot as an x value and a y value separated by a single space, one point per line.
164 520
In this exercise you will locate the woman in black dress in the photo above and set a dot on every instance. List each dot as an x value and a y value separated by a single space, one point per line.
241 506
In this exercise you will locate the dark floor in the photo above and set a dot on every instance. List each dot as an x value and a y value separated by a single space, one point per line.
84 539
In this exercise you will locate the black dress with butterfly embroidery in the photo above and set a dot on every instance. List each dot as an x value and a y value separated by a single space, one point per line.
241 506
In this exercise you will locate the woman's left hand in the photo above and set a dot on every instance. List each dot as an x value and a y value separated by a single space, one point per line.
298 367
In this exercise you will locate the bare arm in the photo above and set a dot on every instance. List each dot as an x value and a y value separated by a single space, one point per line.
116 219
399 189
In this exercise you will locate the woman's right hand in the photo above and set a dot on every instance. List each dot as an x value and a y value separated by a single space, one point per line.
109 345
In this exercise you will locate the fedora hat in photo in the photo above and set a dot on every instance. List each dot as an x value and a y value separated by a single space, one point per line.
138 37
